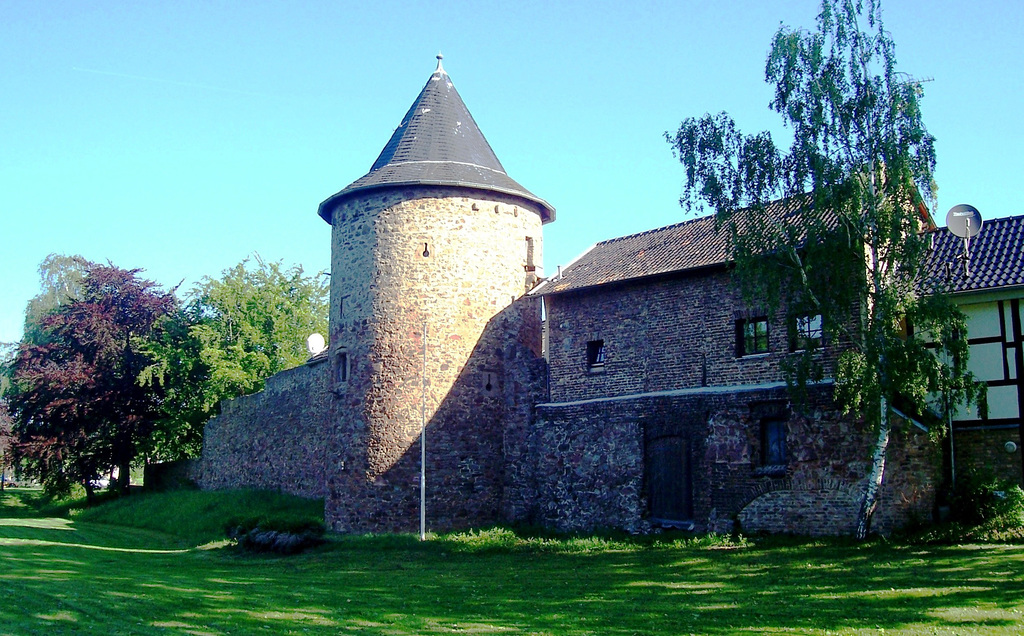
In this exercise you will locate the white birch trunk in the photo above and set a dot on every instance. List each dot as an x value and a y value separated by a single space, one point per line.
874 484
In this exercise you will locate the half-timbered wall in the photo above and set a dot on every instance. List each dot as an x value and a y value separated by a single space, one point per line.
987 440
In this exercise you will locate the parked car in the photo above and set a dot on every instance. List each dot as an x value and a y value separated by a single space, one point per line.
101 484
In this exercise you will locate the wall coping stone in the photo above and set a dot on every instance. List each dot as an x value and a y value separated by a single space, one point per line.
701 390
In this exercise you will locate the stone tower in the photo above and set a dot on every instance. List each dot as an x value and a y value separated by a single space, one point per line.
432 252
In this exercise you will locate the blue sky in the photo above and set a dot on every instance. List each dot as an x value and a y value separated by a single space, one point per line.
181 137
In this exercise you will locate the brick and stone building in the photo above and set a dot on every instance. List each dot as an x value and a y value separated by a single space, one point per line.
669 388
652 395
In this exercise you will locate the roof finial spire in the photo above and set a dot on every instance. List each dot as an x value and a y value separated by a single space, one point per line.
439 69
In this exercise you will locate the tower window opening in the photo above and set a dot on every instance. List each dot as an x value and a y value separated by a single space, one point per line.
426 250
343 368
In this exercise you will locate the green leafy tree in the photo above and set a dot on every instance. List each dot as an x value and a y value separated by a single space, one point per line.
253 322
184 380
233 333
75 396
833 226
60 282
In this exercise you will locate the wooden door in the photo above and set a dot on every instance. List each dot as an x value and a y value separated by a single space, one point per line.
669 479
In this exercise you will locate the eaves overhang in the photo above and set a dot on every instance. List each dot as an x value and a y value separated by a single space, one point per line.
548 287
547 211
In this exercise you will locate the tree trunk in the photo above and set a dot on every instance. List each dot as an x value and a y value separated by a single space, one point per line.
867 508
124 477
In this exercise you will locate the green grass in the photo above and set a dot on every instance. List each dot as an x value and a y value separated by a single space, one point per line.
196 517
60 575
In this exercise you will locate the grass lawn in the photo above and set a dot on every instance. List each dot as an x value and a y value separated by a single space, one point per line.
61 575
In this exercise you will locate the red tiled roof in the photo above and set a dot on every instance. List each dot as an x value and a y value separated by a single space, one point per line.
675 248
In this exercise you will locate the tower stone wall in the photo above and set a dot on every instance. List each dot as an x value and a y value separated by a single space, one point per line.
443 268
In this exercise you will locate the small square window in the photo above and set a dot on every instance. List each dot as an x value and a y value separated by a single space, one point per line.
751 336
595 354
806 333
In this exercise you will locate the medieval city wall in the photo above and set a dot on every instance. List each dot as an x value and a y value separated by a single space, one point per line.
276 439
592 465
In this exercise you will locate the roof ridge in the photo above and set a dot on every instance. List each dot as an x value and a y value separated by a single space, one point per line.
998 219
787 204
655 230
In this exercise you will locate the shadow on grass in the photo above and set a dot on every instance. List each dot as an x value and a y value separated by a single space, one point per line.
395 584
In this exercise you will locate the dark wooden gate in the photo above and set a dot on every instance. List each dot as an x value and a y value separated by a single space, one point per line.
669 479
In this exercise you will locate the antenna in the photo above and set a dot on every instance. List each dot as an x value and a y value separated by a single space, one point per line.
315 344
964 221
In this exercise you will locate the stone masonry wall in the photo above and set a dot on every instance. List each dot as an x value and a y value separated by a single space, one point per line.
671 367
821 500
440 268
586 466
275 439
589 463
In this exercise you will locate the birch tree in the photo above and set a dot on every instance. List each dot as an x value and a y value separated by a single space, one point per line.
849 238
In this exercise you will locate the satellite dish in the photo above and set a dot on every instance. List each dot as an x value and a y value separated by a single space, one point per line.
315 344
964 220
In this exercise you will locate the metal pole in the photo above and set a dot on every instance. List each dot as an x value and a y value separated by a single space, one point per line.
952 452
423 443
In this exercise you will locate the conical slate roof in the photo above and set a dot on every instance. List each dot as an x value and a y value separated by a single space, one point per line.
438 143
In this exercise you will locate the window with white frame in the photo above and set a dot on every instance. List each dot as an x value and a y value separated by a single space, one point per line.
806 333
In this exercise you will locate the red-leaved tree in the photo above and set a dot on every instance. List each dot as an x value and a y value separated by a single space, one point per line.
75 396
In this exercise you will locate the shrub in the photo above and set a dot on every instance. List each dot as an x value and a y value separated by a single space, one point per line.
503 540
991 502
280 535
983 510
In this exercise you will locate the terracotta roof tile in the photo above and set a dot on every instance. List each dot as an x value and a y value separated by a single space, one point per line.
674 248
